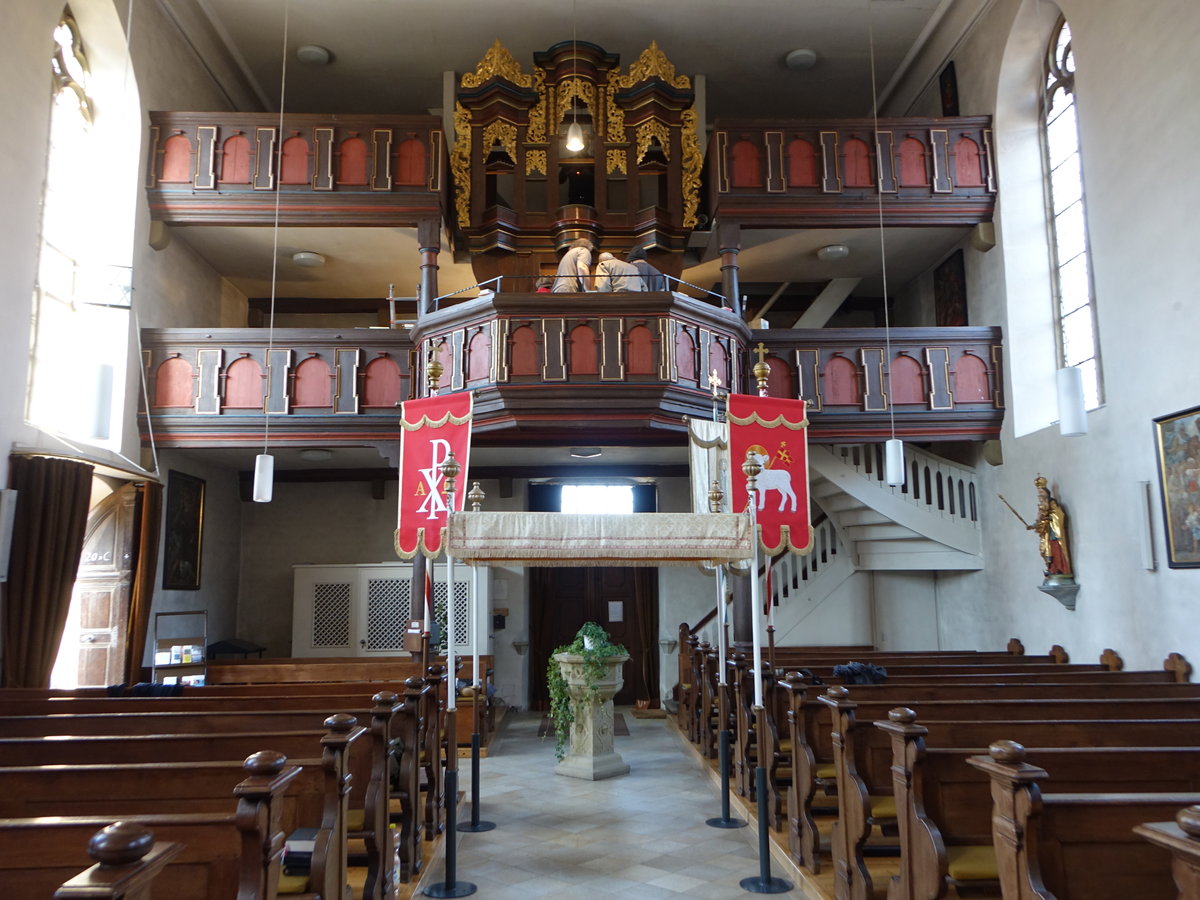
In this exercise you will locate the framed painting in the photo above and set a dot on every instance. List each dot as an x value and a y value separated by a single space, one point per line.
1178 440
183 532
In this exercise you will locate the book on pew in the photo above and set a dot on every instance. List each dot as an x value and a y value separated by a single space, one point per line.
298 851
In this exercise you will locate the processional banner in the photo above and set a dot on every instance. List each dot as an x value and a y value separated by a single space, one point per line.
775 431
430 429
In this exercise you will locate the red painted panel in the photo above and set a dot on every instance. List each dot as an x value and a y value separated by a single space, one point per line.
719 360
173 383
235 160
781 382
856 164
244 384
747 167
445 355
352 162
381 383
967 169
582 345
907 383
841 383
639 345
525 351
685 356
970 380
913 171
294 168
313 388
410 162
479 357
803 170
177 159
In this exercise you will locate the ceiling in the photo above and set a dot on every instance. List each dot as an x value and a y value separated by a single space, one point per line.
389 57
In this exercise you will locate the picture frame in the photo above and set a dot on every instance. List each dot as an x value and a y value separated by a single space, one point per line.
1177 440
183 532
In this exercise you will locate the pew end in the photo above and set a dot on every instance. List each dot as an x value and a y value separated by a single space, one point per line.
128 859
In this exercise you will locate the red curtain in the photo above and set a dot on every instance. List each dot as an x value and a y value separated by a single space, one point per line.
51 517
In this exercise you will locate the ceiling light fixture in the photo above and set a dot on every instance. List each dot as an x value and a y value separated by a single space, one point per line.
833 253
309 259
574 132
585 452
799 60
313 55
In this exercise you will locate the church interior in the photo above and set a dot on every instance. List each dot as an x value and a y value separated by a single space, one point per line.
240 237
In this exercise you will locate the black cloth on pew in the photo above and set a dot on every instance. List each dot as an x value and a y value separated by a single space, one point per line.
860 673
144 689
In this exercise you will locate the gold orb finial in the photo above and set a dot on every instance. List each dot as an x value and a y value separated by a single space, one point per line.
716 497
433 371
476 496
450 470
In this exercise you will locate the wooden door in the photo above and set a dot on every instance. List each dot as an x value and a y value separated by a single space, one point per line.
99 614
623 600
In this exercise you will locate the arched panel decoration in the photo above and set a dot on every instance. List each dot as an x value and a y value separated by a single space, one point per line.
841 386
445 355
244 387
685 356
582 347
294 167
718 359
479 357
970 380
352 161
856 164
968 172
913 171
173 383
524 343
410 162
803 170
313 387
381 383
907 381
747 167
177 160
639 347
781 382
235 160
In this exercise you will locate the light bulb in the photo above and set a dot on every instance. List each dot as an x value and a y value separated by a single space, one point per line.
893 462
575 137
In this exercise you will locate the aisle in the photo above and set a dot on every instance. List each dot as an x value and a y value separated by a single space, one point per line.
641 835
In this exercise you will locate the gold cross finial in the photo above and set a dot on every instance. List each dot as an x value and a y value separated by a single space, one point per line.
714 382
760 351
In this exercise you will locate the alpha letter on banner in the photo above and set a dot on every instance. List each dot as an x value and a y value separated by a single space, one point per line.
429 430
775 430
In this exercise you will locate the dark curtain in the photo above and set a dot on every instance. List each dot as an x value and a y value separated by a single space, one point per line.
545 498
147 522
48 530
646 602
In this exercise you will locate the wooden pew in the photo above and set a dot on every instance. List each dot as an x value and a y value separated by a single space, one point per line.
1181 838
864 775
128 859
235 854
1072 846
944 806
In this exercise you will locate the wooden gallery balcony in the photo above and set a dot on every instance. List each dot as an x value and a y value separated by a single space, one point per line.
802 174
219 169
553 369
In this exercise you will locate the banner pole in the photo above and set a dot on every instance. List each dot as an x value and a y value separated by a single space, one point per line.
725 820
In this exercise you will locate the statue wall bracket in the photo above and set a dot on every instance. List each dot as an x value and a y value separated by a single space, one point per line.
1062 588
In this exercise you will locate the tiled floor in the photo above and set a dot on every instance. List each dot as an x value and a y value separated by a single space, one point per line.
639 835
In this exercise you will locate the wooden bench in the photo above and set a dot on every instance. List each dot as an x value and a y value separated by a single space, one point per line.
1072 846
235 854
944 804
1180 838
128 859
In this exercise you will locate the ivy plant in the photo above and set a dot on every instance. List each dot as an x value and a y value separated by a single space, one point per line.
593 644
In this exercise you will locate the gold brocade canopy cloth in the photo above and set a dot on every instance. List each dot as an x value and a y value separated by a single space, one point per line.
581 539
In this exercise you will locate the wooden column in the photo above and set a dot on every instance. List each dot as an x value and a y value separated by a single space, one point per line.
429 240
730 237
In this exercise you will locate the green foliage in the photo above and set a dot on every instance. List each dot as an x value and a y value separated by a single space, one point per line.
562 711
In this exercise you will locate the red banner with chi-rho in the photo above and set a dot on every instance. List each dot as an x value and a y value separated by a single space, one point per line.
430 429
775 431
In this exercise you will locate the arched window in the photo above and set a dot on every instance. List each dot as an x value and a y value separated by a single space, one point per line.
84 281
1068 216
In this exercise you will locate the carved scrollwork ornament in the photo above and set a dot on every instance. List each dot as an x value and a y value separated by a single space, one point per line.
460 164
614 124
536 131
648 131
654 63
615 161
497 63
535 162
503 131
568 90
693 163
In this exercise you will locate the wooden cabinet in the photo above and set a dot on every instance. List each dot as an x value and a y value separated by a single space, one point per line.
366 609
180 646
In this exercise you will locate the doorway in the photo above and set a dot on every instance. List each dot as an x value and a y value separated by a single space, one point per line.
624 600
